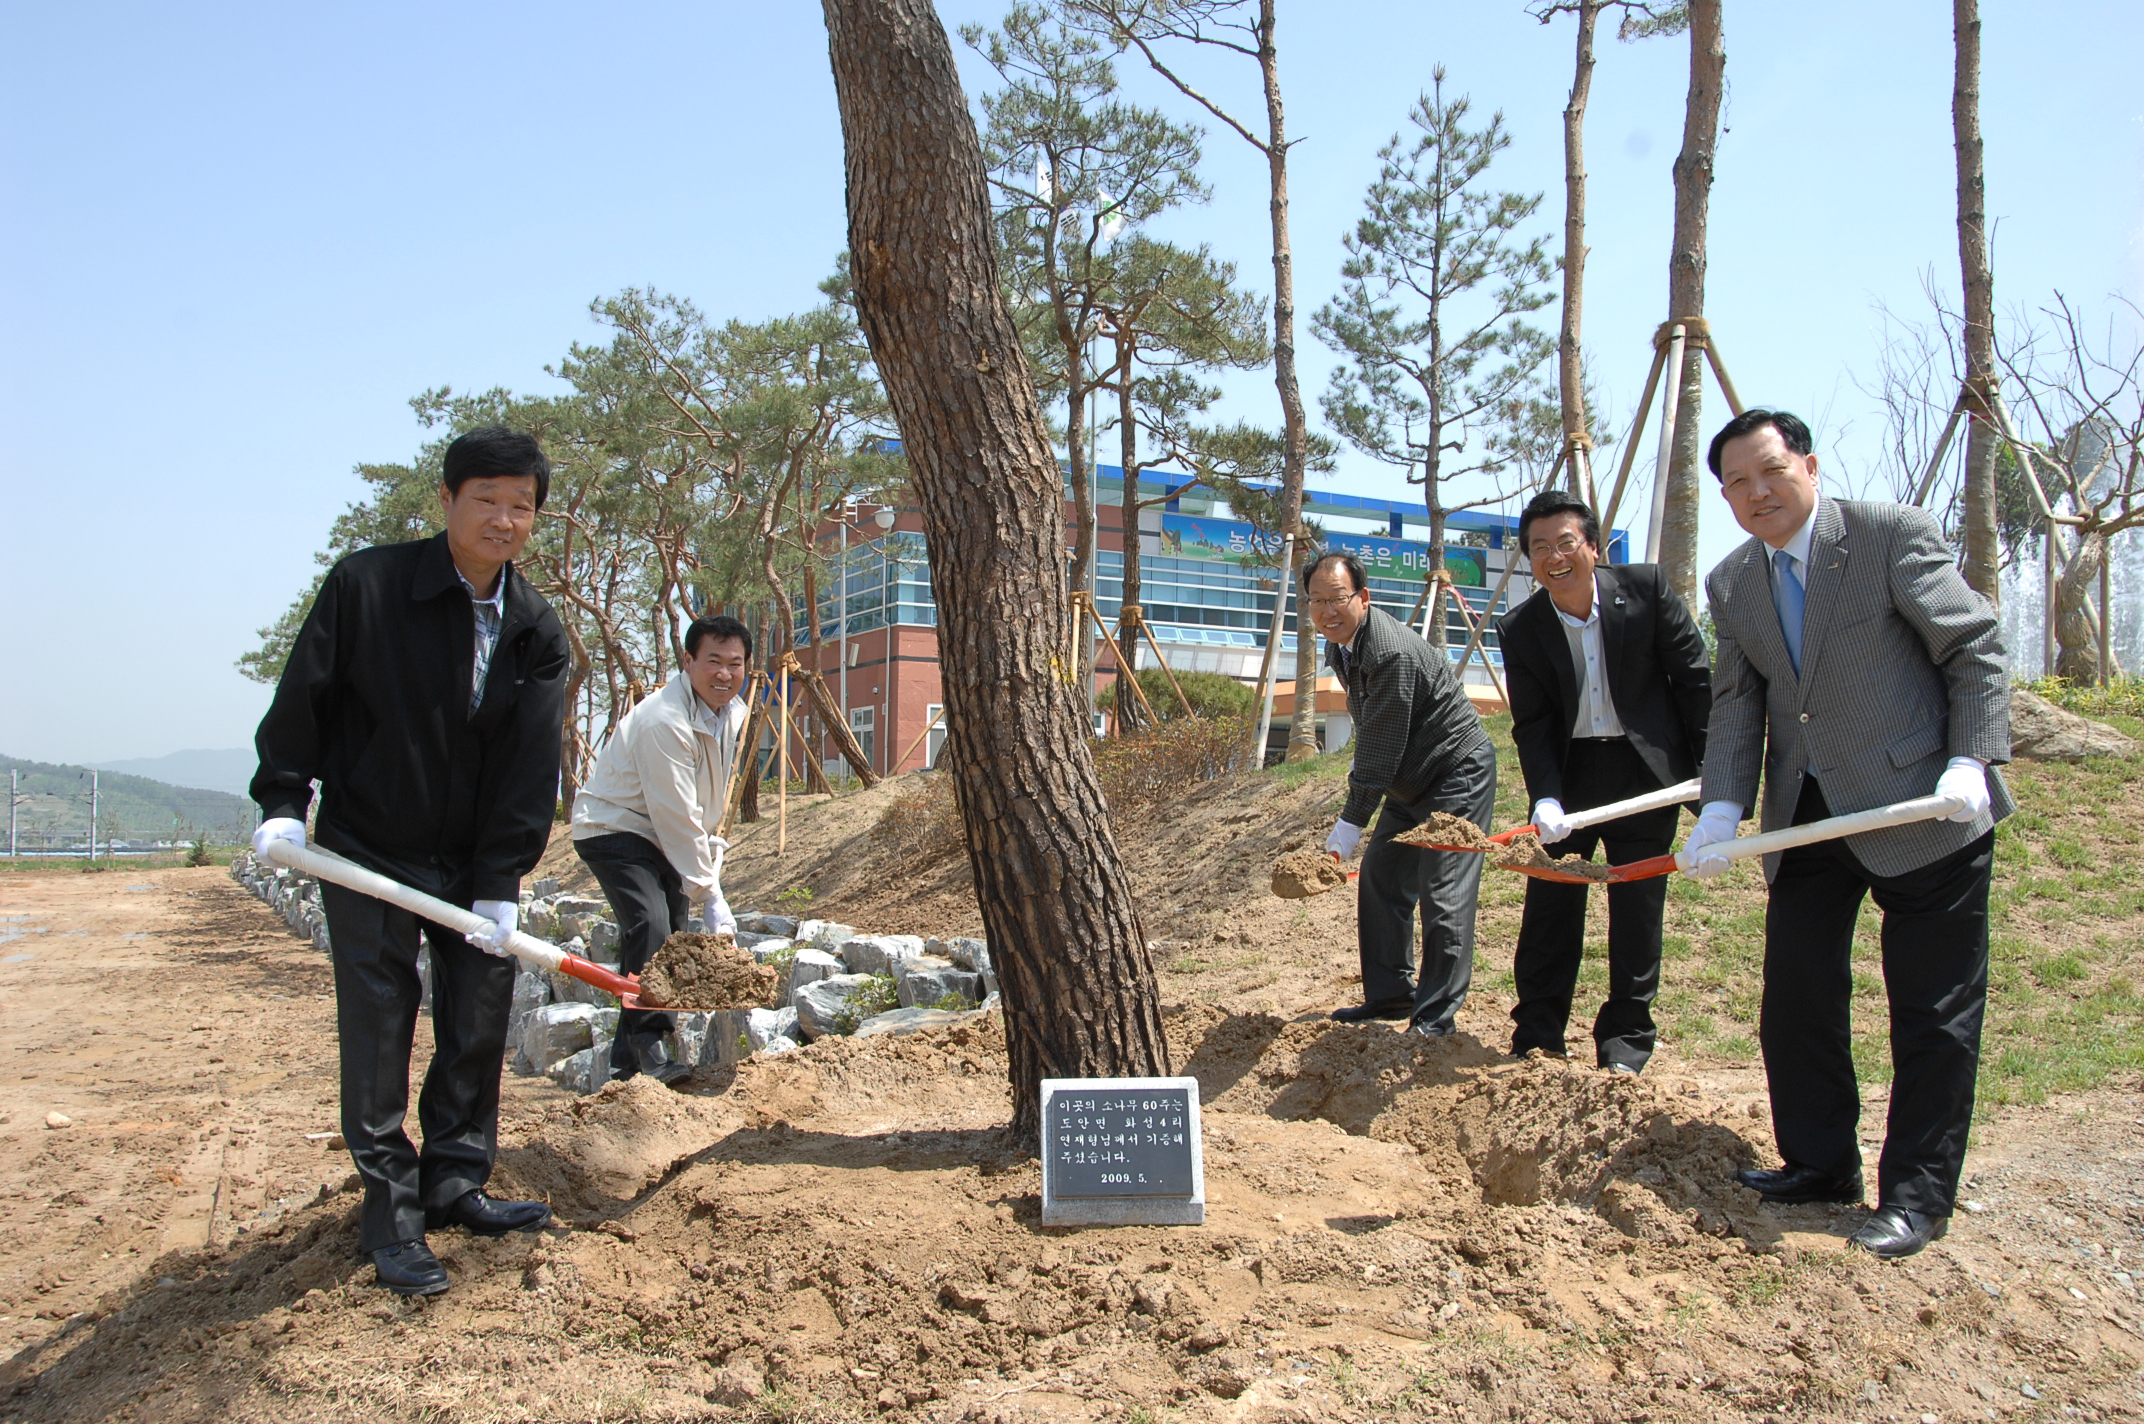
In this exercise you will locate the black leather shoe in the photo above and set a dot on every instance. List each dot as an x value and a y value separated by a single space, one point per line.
1395 1009
409 1268
479 1214
1894 1232
1791 1186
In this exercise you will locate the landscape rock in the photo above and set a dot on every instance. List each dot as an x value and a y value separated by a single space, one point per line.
2044 732
811 966
763 1026
770 947
556 1032
924 984
585 1071
906 1021
819 1003
603 942
782 1044
545 888
531 992
825 935
783 925
881 954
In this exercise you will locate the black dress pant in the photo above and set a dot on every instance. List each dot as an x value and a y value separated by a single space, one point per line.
1935 972
376 997
1445 884
1552 931
648 896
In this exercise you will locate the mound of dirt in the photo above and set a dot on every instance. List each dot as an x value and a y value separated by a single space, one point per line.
1444 829
1525 850
1299 874
703 972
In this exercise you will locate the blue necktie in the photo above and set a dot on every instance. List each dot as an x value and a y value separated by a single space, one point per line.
1787 594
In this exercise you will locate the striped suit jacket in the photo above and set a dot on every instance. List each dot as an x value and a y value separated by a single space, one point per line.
1902 669
1412 719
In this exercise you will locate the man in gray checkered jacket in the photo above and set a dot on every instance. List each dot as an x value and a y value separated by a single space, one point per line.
1419 747
1856 669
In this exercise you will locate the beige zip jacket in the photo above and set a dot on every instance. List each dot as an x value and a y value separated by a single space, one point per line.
664 776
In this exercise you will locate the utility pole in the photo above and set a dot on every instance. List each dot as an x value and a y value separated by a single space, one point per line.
14 799
93 815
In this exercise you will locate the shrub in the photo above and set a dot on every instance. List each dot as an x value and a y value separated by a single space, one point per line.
2122 695
876 995
1211 694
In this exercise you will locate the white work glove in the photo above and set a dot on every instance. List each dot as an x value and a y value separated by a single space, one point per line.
1966 778
715 916
1716 824
504 916
277 828
1344 839
1550 820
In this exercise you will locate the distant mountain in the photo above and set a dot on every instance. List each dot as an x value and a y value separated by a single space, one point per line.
228 771
54 809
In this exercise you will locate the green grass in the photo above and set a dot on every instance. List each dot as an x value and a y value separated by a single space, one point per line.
80 864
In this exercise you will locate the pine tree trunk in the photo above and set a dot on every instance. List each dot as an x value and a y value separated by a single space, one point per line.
1295 428
1570 367
1686 292
1982 558
1078 979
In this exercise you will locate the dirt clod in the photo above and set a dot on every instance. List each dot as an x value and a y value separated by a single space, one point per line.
705 972
1299 874
1525 849
1444 829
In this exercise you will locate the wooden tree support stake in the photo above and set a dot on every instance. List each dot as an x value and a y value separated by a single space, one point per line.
1124 674
1137 615
852 751
1475 634
1630 445
936 717
747 765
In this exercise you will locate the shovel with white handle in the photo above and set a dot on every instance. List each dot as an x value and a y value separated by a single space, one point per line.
326 865
1902 813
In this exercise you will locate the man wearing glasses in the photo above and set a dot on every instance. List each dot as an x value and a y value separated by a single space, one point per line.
1610 691
1419 747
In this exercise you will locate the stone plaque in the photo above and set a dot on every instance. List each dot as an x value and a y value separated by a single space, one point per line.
1122 1152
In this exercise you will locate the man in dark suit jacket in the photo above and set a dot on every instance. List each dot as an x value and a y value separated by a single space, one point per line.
1610 688
1419 748
425 692
1856 669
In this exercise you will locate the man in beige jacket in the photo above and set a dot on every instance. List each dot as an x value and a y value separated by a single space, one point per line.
645 822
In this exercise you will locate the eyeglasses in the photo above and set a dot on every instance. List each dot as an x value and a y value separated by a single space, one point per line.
1564 548
1328 604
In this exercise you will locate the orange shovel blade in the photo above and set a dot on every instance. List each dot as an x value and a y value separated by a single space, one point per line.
1617 874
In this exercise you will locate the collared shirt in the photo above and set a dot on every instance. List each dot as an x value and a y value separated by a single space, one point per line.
490 613
1596 702
1798 546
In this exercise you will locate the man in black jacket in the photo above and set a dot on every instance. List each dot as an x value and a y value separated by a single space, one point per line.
425 693
1419 747
1610 689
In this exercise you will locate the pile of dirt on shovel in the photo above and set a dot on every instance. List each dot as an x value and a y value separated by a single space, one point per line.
1444 829
1525 850
703 972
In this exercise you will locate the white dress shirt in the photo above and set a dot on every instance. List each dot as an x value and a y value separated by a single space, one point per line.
1596 703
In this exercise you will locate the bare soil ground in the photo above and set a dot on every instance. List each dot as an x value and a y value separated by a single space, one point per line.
1396 1229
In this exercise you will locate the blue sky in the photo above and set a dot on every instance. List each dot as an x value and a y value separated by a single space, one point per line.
240 237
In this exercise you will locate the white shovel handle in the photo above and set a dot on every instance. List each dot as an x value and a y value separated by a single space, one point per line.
1902 813
326 865
1650 801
